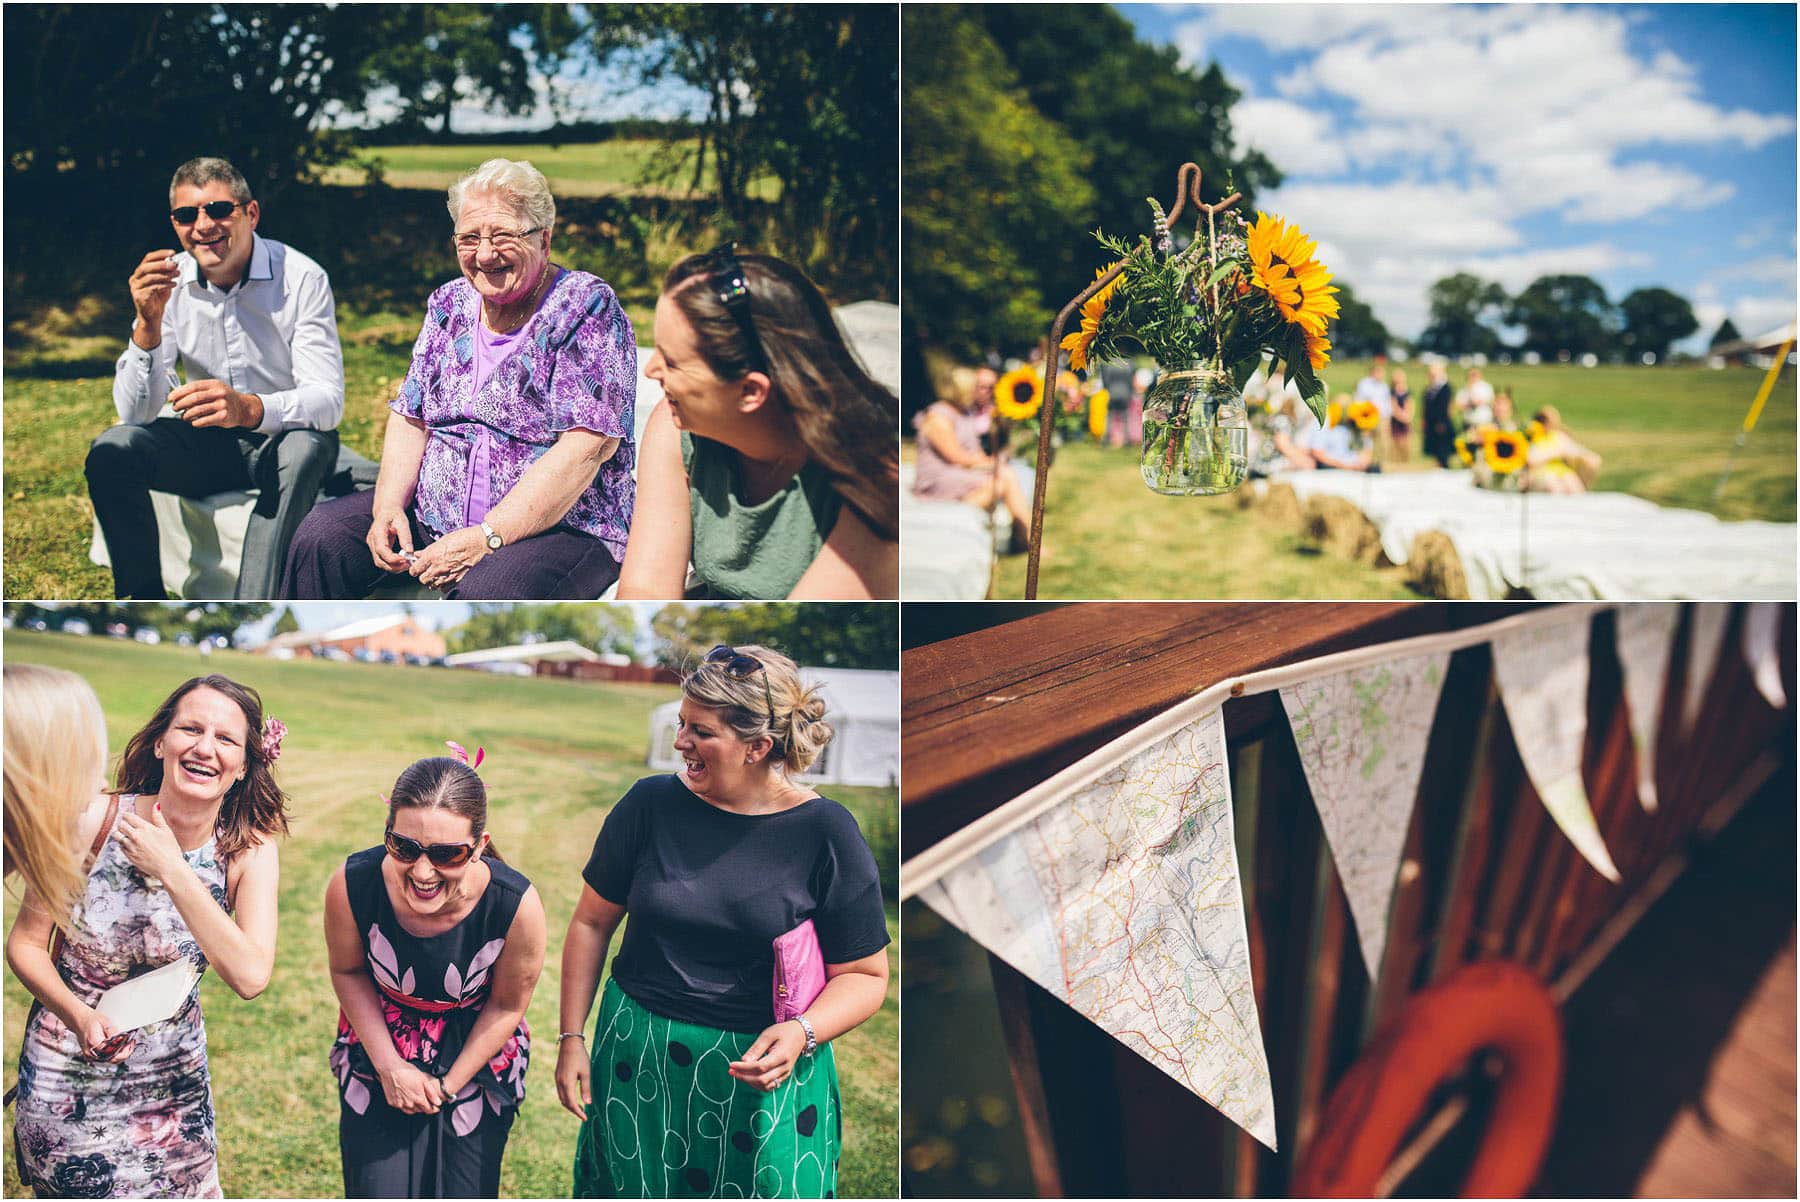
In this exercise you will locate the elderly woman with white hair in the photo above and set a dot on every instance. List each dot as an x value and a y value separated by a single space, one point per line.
506 467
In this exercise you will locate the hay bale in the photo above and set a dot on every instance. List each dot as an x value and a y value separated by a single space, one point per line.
1337 526
1281 505
1435 569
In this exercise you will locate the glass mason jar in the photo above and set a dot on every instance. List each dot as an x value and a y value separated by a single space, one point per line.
1196 434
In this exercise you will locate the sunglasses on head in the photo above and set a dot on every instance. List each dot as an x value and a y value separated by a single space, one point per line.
732 288
739 666
218 210
444 855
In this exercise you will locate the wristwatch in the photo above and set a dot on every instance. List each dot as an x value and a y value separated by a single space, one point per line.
812 1041
494 541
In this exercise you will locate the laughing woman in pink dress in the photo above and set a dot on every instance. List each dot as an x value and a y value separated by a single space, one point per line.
186 870
435 949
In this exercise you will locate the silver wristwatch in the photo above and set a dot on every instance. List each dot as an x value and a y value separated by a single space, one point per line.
812 1041
494 541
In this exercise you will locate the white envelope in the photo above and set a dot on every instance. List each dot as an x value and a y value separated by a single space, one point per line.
154 997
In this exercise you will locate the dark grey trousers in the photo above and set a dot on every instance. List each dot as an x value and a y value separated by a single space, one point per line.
167 455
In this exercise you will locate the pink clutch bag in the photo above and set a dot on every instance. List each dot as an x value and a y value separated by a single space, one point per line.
799 971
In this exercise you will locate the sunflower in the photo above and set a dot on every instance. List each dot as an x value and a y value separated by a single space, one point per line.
1019 393
1334 413
1366 414
1318 348
1462 451
1282 265
1097 413
1505 452
1536 432
1092 310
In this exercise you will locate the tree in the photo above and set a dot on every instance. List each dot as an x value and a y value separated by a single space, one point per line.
286 623
1566 313
1463 310
804 94
1727 332
1357 332
843 635
434 55
1654 318
991 188
603 628
1136 110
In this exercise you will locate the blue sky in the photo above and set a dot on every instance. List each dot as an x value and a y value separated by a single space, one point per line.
1644 145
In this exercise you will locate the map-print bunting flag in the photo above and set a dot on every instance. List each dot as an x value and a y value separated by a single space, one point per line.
1123 900
1762 650
1542 670
1362 736
1646 639
1705 638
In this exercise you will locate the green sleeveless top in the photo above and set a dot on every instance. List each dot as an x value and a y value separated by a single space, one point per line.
753 552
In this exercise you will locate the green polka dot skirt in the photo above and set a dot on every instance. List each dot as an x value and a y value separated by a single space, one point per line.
667 1120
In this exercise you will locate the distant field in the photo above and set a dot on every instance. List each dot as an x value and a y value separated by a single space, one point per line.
620 167
1664 433
558 755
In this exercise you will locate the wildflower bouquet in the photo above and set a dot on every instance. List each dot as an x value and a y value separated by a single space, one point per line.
1235 294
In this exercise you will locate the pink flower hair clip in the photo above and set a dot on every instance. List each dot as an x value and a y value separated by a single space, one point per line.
274 731
462 753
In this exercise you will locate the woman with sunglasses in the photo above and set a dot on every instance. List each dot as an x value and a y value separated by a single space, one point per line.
772 464
435 947
693 1088
506 466
185 870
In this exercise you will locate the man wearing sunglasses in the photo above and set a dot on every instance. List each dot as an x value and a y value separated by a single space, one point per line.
254 327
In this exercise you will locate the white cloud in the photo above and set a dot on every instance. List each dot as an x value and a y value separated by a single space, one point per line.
1288 133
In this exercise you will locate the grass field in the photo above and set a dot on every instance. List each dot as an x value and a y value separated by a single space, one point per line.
617 167
558 755
1665 434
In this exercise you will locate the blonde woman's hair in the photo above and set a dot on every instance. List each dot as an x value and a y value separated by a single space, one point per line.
961 390
55 766
515 181
797 725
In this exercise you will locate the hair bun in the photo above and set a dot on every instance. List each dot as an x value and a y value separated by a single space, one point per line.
808 732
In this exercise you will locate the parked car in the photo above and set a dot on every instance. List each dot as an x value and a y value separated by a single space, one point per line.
76 626
146 636
36 624
184 639
117 630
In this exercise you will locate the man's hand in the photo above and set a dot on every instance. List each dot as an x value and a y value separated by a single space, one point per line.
151 286
215 403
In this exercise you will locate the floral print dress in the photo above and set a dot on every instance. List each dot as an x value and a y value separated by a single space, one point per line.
142 1127
432 989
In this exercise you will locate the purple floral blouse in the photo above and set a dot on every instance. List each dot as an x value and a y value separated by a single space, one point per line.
576 368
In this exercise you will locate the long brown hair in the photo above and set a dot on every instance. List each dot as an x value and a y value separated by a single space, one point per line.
848 423
255 808
441 783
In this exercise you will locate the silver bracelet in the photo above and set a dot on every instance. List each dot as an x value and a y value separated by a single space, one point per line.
571 1035
812 1041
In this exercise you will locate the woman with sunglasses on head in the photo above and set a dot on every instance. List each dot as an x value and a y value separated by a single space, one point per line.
506 466
697 1086
435 947
185 869
772 464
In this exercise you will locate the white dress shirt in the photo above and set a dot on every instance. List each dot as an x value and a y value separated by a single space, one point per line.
1370 389
273 334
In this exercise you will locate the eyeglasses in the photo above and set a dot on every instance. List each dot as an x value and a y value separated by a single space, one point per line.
218 210
444 855
739 666
504 241
732 287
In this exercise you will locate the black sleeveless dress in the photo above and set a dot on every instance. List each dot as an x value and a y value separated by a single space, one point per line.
432 990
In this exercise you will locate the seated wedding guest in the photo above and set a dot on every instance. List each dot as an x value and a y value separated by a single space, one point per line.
1504 416
183 867
1440 430
773 463
55 765
952 465
1400 417
1280 448
1554 461
254 327
1334 447
506 466
435 947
